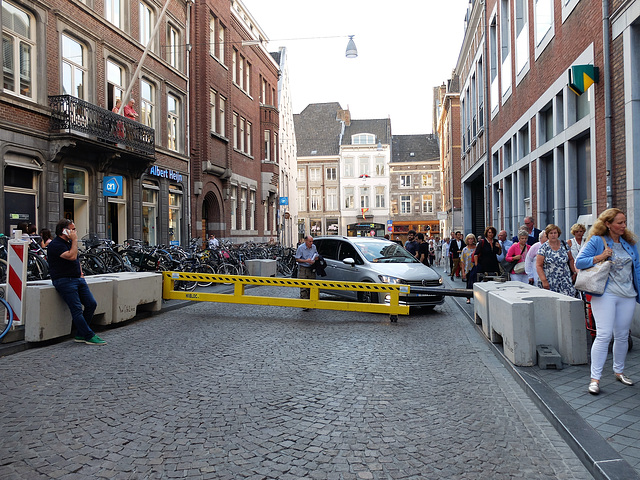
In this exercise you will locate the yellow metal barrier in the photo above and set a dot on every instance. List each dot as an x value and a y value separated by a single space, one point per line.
393 308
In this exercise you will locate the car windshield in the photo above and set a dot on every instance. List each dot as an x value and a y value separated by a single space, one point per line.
382 251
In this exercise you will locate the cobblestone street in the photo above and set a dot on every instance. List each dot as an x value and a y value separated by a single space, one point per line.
225 392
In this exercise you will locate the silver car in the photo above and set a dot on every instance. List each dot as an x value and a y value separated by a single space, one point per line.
377 260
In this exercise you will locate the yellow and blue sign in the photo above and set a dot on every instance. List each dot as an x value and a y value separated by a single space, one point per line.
112 186
581 77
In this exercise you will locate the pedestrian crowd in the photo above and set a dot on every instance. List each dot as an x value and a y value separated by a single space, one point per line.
542 258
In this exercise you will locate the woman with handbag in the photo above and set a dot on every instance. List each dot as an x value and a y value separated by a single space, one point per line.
486 254
554 264
516 256
468 265
610 240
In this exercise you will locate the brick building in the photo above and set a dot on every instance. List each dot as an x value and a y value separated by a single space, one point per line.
234 125
63 151
546 152
414 185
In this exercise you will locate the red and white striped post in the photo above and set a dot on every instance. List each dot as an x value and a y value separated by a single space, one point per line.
17 276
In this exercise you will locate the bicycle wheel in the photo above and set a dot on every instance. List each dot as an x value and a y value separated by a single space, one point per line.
91 264
112 261
37 267
6 317
205 268
226 269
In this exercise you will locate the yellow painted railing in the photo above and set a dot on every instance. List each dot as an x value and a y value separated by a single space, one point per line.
393 308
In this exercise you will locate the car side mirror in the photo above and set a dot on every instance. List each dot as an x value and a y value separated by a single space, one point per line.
349 261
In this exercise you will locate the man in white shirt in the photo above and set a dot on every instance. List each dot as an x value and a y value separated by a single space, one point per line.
306 256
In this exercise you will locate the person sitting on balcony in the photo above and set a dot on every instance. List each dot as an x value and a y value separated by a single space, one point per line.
116 107
129 111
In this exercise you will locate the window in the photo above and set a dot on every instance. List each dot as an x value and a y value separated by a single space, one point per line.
146 23
314 174
379 166
267 145
75 184
363 167
543 19
427 180
73 68
301 175
316 199
221 31
173 44
405 181
18 50
522 34
380 197
214 112
147 103
349 198
427 203
332 198
364 197
405 203
234 66
149 212
248 150
173 122
243 209
493 63
583 175
235 130
302 200
222 117
115 84
247 78
216 39
113 11
348 167
363 139
234 207
242 134
332 173
252 210
505 36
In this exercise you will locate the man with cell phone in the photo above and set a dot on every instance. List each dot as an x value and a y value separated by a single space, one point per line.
68 279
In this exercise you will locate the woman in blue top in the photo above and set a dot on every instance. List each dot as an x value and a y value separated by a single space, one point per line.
613 310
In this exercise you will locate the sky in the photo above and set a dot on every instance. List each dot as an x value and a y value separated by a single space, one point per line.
405 48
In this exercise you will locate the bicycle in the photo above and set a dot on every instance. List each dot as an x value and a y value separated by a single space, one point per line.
7 313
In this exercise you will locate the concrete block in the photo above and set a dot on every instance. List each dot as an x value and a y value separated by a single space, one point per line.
481 300
47 316
134 292
523 316
548 356
262 267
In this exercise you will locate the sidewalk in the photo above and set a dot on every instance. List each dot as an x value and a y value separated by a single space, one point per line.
603 430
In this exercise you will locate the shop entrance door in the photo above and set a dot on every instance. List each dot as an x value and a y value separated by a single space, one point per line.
116 222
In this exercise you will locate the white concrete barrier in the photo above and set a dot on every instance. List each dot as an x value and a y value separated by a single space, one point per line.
523 316
262 267
120 296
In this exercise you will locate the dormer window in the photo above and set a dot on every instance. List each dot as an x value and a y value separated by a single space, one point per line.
363 139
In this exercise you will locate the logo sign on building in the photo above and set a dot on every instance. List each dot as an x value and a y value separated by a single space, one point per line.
112 186
165 173
284 200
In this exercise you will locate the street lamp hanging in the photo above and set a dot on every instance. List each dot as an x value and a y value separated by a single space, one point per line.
352 51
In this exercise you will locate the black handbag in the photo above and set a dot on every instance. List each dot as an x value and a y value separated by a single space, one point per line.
294 271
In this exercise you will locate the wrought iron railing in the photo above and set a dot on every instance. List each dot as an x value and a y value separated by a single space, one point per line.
74 115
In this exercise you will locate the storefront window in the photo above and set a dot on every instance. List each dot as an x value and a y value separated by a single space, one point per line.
76 198
149 212
316 228
117 216
20 194
175 214
332 226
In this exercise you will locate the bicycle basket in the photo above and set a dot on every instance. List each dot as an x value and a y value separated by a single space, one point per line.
143 260
91 240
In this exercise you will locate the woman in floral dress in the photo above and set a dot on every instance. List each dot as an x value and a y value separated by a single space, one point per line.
554 264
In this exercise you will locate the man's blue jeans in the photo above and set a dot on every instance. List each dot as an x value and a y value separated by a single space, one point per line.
75 292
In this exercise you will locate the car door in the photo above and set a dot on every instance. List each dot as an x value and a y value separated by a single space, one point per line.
345 272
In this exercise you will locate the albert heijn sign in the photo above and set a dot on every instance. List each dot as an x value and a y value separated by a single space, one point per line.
165 173
112 185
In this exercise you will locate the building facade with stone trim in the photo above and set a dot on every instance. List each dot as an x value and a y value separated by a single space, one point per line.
64 152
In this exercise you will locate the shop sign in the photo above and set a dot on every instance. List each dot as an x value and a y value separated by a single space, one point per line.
165 173
112 186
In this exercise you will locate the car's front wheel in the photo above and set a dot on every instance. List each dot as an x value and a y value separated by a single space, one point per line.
368 297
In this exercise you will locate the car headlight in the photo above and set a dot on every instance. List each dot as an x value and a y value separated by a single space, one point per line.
440 281
389 279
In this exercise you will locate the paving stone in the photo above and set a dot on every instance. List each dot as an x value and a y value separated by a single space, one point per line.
225 392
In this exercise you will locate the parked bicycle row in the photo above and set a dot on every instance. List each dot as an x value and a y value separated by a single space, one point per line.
99 256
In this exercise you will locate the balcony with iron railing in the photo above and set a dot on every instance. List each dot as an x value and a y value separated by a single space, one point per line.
77 117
